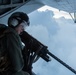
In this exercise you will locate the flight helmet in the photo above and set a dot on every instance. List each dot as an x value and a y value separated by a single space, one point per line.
16 18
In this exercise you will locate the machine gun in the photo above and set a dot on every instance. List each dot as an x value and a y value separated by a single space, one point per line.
40 50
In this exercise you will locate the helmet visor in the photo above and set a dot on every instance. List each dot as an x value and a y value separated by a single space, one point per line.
24 24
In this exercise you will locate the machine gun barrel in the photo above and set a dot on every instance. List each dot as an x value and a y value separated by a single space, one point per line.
63 63
41 50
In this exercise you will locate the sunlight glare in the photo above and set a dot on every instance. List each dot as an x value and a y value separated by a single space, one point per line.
57 13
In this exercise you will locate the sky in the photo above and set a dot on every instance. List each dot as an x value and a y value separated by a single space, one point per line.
56 30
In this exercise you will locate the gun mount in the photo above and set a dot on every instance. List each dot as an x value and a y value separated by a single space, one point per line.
40 50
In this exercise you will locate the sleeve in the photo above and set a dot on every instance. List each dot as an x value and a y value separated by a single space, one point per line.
15 53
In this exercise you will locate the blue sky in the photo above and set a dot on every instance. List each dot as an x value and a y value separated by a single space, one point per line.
56 30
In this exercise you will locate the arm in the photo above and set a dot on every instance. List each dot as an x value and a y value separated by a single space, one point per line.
15 54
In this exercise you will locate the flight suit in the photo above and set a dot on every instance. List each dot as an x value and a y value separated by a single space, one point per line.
14 48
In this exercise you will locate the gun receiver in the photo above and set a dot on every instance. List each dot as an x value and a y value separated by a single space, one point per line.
35 46
40 49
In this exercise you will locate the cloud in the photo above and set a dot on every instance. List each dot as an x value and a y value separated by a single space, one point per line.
39 32
59 36
45 19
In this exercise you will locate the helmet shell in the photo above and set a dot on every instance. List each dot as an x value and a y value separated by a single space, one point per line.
16 18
